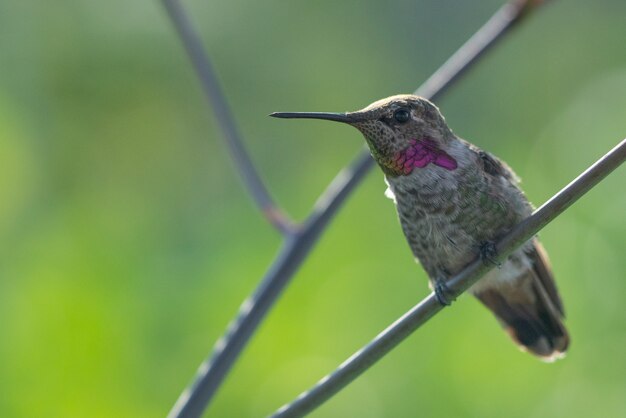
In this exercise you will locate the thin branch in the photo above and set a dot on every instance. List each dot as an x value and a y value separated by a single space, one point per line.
223 115
211 373
500 23
194 400
426 309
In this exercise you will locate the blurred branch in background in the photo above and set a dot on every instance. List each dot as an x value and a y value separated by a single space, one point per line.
397 332
224 116
298 239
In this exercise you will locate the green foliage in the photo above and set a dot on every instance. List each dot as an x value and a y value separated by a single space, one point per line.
127 242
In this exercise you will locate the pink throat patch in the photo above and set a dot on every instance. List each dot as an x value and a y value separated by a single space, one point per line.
419 154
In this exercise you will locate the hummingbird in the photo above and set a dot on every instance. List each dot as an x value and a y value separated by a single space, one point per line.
453 201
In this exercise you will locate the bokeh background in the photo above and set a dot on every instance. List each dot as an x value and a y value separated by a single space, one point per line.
127 241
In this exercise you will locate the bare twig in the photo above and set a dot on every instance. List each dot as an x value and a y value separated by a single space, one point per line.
223 115
212 372
426 309
299 241
500 23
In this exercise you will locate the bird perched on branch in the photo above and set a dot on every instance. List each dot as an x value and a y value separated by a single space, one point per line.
454 201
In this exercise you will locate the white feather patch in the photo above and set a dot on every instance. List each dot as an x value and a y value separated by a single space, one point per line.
389 193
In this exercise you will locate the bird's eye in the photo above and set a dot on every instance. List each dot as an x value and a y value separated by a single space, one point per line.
402 115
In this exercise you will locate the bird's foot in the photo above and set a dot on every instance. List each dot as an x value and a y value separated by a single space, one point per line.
443 292
488 253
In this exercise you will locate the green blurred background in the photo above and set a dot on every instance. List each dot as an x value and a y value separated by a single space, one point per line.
127 241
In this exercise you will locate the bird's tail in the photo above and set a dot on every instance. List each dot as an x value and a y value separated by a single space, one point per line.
531 311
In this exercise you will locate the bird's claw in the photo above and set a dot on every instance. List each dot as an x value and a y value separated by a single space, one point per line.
488 253
443 292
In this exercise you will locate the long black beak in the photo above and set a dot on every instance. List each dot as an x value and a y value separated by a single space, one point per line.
337 117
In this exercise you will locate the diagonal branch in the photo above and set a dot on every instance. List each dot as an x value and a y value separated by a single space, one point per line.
299 241
497 26
211 373
426 309
211 86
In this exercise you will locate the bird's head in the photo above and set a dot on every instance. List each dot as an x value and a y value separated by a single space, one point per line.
403 132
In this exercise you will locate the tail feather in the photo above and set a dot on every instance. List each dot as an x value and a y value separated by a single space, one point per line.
530 309
533 324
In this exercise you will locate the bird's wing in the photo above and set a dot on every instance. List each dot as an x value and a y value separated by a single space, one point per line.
543 271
